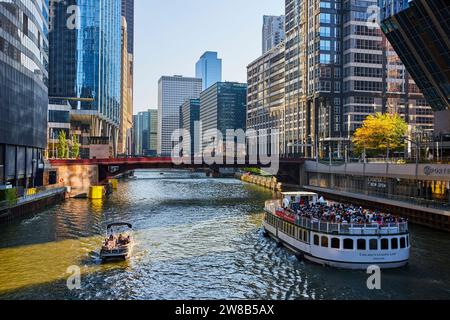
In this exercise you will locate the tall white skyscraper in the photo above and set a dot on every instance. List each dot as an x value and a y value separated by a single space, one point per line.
273 32
173 91
209 69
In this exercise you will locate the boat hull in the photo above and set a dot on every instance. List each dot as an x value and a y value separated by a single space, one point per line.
331 259
116 254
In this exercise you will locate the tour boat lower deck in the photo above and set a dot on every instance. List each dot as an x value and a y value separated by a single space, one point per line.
337 244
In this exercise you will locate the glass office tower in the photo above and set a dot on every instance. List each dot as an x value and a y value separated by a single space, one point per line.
419 32
23 90
209 69
128 13
223 107
85 66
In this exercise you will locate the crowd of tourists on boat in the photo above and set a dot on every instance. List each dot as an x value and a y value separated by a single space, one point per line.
113 241
344 214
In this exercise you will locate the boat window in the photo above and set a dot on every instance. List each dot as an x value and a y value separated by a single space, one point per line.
325 242
407 241
373 244
336 243
316 240
348 244
384 244
402 243
362 244
305 236
394 243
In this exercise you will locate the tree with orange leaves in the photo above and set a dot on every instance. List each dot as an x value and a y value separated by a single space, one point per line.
380 133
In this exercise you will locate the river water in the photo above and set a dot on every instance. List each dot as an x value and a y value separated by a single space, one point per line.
197 238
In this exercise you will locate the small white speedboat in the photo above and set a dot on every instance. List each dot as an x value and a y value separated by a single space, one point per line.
119 242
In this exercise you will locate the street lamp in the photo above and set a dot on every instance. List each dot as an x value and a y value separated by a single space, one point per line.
417 144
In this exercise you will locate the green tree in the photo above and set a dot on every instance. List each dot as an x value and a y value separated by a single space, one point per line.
63 146
380 133
75 150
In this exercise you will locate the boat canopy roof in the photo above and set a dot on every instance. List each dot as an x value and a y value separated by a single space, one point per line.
120 224
300 193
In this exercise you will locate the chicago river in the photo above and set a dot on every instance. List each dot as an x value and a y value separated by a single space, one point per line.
197 238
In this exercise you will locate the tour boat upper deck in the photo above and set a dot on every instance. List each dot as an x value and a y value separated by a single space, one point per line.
282 210
337 234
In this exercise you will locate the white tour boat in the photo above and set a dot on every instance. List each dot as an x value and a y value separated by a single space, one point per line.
119 242
336 242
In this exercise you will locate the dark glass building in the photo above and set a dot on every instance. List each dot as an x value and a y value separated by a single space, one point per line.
85 66
419 32
223 106
23 91
189 115
128 13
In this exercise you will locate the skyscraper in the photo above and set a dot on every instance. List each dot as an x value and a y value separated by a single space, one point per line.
23 91
337 72
265 94
223 106
172 93
152 133
85 68
126 106
145 128
128 13
189 116
272 32
209 69
419 32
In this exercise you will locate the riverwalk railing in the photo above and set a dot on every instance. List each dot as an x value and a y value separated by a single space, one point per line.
343 228
41 193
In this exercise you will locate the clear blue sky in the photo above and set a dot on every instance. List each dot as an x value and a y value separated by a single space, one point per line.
170 36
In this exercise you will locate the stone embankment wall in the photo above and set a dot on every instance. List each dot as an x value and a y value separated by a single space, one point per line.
266 182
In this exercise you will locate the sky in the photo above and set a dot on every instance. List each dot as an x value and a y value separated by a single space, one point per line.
171 35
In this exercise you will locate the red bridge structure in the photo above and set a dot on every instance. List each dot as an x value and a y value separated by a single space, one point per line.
110 168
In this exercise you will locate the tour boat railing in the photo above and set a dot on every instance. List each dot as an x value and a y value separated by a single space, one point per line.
342 228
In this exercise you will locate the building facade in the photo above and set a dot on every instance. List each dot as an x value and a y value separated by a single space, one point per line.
223 107
85 68
58 121
153 132
272 32
173 91
265 94
128 13
339 70
209 69
145 130
126 105
23 91
419 32
189 121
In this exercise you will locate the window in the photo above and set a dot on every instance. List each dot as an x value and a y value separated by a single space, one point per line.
394 243
335 243
325 18
373 244
402 243
325 31
316 240
348 244
384 244
325 58
362 244
305 236
325 242
325 45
